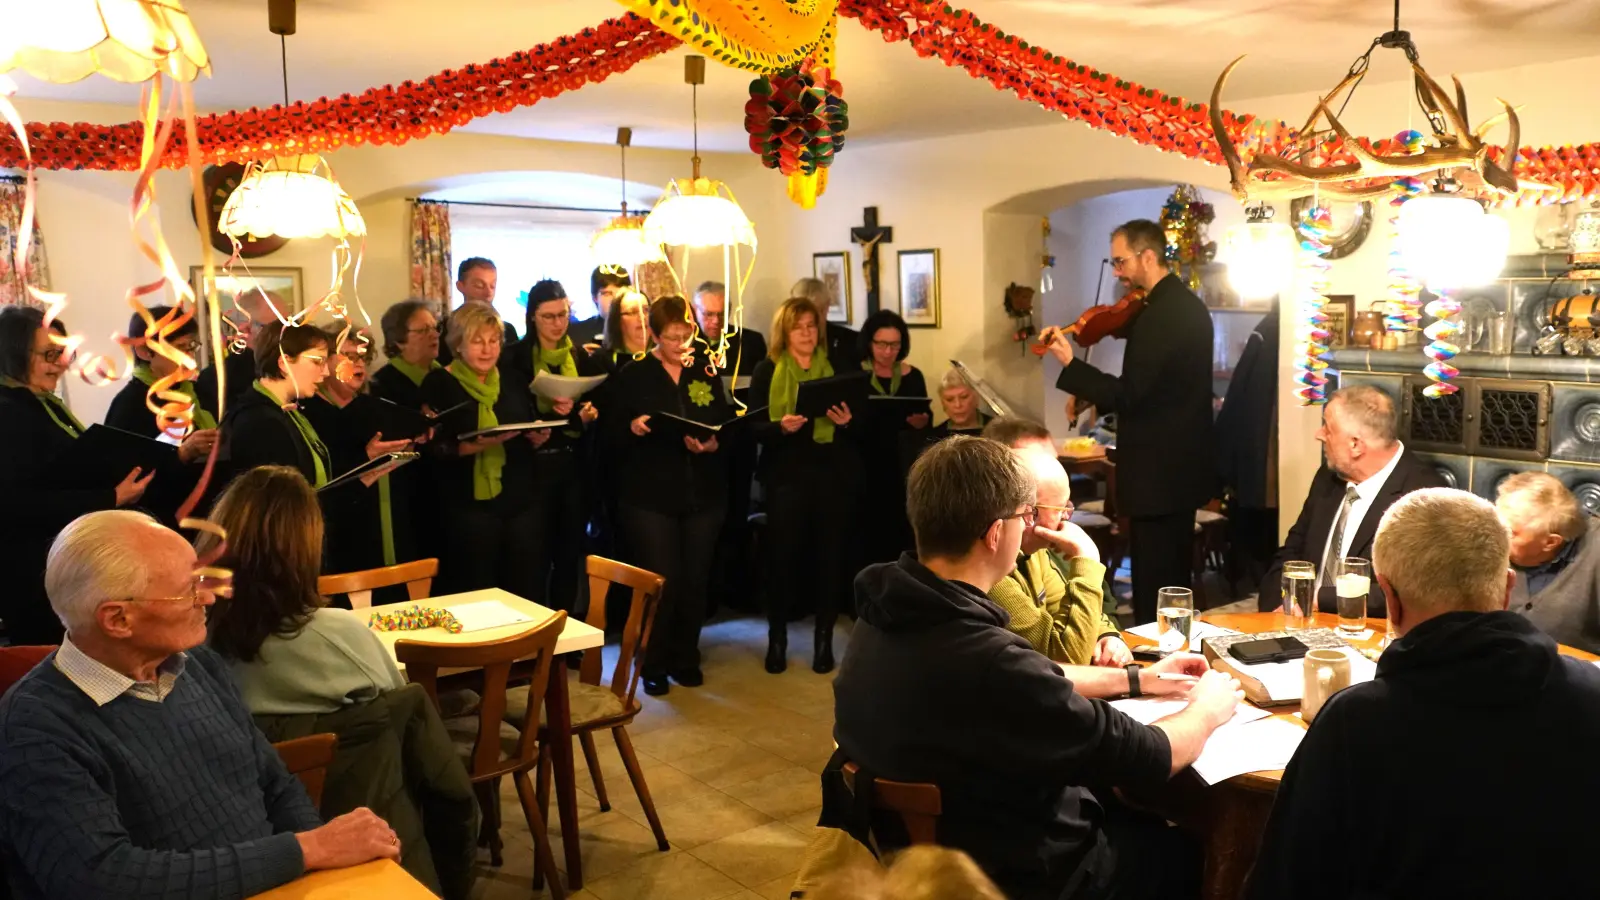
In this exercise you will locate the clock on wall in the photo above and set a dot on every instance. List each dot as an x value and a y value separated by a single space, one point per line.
218 182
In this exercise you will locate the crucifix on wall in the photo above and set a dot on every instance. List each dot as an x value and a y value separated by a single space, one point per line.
869 235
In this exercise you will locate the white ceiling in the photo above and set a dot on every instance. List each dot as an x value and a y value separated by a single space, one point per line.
346 46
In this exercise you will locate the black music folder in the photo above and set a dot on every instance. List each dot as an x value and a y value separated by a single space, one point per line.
403 423
514 428
673 426
102 456
905 406
371 465
817 397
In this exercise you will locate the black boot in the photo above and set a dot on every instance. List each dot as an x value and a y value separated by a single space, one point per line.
777 651
822 660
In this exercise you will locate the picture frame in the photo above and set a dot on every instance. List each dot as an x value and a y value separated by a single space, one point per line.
285 281
833 270
1341 310
919 287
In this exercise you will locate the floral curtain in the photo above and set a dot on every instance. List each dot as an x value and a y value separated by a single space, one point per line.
14 284
431 274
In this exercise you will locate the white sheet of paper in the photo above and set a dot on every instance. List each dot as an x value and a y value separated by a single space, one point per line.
1235 749
165 438
1286 680
1201 630
560 387
1146 710
486 614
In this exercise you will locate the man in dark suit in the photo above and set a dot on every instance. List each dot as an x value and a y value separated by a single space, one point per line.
605 283
1366 469
1162 399
476 279
251 310
746 347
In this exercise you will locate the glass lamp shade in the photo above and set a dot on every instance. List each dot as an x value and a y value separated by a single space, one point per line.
62 41
1260 258
622 243
698 212
1448 241
287 196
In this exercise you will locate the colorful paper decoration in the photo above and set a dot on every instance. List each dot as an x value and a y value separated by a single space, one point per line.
765 36
796 121
1442 350
1184 218
1311 326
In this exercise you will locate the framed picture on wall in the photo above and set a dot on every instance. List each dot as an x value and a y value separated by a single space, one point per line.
1341 310
919 287
833 270
285 282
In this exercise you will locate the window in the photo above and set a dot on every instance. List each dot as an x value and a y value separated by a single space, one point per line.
527 246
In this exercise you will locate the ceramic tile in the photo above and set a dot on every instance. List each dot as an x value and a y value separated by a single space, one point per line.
782 793
756 856
682 742
676 877
804 822
726 766
703 819
778 888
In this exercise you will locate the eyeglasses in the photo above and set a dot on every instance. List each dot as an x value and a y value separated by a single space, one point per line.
886 345
1066 510
314 359
188 347
358 356
206 586
552 318
52 356
419 332
1029 516
1117 262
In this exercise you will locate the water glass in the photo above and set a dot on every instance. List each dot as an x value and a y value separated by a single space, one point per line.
1174 618
1353 582
1299 595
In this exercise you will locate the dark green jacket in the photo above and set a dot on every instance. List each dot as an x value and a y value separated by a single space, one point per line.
396 759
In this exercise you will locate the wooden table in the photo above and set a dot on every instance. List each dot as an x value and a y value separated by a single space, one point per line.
1229 818
576 635
379 878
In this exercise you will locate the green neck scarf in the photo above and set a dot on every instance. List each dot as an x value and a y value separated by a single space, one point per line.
894 380
487 463
786 389
202 419
559 359
52 404
319 451
415 373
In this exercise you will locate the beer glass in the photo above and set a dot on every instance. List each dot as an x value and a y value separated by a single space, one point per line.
1353 582
1174 618
1299 595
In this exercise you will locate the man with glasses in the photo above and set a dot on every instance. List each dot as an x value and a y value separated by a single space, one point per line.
1054 597
129 766
935 689
1166 465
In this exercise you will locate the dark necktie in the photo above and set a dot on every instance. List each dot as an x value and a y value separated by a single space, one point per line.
1330 561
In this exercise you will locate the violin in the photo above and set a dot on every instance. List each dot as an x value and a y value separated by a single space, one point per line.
1098 322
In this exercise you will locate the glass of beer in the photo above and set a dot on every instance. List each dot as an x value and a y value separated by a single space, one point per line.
1353 583
1299 595
1174 618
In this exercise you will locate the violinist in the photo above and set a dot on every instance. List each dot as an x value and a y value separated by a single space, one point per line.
1162 401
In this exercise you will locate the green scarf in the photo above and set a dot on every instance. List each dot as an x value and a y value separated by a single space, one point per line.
52 404
415 373
202 419
894 380
319 451
488 462
786 390
560 359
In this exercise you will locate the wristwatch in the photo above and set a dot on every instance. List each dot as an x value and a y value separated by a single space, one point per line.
1134 690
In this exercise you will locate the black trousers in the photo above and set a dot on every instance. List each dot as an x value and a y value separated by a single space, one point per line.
807 518
679 548
1161 554
560 517
1148 859
490 543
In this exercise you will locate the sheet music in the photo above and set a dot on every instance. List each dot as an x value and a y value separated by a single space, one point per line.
560 387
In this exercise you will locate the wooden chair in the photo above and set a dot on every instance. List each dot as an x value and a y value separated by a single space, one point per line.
416 575
308 758
597 706
918 805
486 763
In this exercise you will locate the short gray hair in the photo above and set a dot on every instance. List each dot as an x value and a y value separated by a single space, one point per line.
1442 549
953 379
711 287
469 319
1369 411
958 488
1541 501
98 557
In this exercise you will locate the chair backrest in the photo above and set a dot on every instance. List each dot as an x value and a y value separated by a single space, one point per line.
307 758
646 598
416 575
16 662
533 649
918 805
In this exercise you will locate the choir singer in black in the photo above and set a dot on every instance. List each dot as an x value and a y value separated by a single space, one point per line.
1162 400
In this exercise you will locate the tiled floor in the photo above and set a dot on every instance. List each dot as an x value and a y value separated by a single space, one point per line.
733 767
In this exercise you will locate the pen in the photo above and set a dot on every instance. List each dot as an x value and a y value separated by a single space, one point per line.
1173 676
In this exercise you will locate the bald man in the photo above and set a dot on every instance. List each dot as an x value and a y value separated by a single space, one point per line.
251 310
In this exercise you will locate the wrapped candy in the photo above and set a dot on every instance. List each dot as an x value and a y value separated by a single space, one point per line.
414 618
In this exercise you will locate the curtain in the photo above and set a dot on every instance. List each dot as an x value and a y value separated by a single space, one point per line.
431 275
14 284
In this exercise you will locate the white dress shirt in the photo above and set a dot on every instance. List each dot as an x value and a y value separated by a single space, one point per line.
1366 492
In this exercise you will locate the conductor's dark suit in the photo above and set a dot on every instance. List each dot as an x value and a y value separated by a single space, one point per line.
1165 451
1308 539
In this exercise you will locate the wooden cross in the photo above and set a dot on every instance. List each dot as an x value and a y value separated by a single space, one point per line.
869 235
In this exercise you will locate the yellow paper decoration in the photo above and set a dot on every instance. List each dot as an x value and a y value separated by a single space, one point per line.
757 35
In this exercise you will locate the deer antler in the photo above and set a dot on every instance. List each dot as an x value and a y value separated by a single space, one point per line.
1230 154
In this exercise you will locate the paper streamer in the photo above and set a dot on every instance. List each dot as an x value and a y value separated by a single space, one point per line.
414 618
1446 310
1311 329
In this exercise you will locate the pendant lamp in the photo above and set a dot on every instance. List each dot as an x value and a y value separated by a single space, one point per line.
1259 254
698 211
621 242
63 41
1448 241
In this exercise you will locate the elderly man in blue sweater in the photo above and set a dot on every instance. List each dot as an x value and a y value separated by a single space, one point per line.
129 766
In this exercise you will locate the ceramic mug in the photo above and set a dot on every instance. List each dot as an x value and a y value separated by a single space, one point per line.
1327 672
